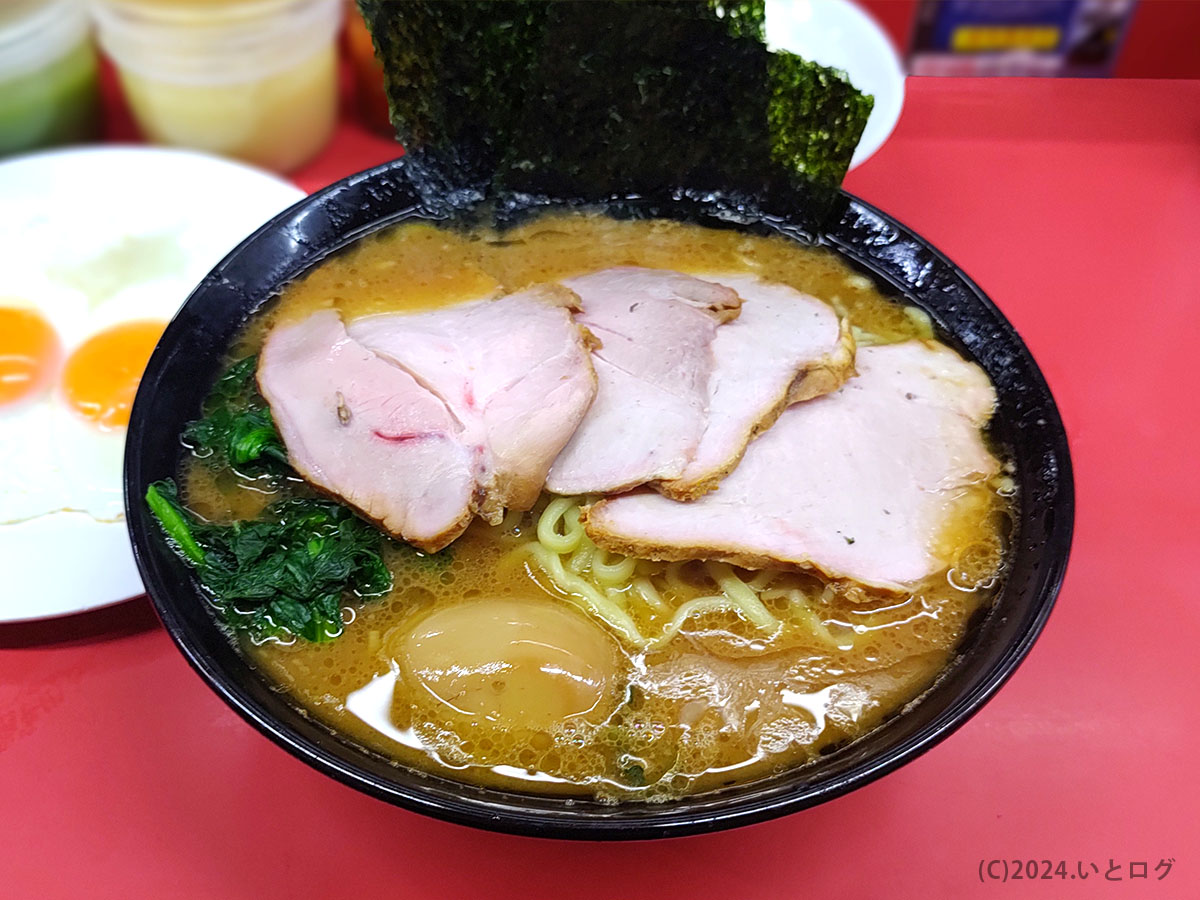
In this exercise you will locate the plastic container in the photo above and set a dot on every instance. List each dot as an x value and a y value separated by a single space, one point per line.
252 79
48 79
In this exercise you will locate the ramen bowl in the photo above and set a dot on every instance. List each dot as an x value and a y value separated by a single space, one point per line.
1025 423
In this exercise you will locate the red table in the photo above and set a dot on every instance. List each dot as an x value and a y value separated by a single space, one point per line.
1076 205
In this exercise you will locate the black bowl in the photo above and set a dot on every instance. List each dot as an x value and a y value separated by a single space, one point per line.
1026 423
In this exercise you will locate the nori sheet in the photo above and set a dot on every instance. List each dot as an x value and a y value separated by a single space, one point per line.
610 97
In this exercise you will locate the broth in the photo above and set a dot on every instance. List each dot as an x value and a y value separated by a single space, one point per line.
720 702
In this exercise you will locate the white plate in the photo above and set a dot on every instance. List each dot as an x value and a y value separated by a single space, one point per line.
841 34
66 207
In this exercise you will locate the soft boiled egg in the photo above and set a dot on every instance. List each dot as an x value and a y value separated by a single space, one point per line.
513 662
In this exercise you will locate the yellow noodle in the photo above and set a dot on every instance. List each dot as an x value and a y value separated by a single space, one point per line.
742 597
762 580
607 585
686 611
547 528
618 597
612 573
579 561
675 579
803 609
593 601
650 594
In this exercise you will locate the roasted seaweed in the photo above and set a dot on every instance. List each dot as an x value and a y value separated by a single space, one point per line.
815 117
608 98
452 73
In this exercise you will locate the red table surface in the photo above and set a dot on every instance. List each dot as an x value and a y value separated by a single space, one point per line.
1076 205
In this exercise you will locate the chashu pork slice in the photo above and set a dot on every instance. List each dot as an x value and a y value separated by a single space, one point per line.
359 427
857 484
785 346
516 373
656 328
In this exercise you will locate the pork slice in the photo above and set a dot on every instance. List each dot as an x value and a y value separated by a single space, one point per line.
857 484
359 427
785 346
516 373
655 329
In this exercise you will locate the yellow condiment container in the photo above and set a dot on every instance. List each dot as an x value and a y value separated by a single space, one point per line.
252 79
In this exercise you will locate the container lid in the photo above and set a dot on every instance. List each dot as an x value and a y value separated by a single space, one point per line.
34 33
202 12
217 42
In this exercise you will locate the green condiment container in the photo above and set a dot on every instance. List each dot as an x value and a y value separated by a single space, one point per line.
49 89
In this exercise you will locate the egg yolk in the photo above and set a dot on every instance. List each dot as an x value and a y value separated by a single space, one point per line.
102 375
29 352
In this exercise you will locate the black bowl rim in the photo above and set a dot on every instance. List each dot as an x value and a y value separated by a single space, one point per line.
513 820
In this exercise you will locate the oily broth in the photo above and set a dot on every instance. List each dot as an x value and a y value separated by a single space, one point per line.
718 704
709 709
419 266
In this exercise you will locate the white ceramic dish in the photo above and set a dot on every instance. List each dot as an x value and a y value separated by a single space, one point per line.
64 210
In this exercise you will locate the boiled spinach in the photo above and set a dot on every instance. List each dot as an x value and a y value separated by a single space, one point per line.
288 572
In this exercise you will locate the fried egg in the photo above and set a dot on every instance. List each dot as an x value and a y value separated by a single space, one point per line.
81 309
98 248
29 352
68 375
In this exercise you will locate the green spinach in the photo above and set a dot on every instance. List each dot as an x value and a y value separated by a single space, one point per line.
288 572
236 429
